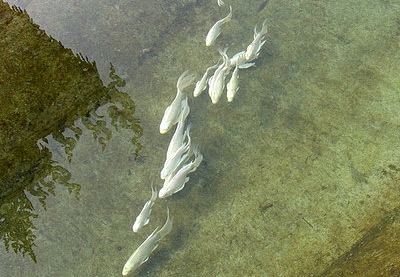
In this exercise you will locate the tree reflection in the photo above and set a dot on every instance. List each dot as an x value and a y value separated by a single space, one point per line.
44 89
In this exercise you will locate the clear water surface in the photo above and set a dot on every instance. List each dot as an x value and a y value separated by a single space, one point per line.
292 174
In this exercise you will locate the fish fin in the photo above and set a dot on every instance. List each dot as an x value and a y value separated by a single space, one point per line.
185 80
260 46
154 193
145 260
155 247
183 185
229 16
255 32
264 27
246 65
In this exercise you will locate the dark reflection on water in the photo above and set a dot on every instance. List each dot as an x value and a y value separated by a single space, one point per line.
44 90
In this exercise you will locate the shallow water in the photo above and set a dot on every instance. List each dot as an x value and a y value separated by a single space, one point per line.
296 170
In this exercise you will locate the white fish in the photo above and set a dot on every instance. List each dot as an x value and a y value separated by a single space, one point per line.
143 218
255 46
225 63
179 136
233 85
220 3
216 29
239 60
176 182
180 159
177 158
171 114
217 81
185 110
202 84
143 252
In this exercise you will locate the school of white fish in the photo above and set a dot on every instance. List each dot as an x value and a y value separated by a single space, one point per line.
182 156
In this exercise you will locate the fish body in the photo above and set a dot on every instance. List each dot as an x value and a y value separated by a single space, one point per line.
143 218
175 166
202 83
143 252
255 46
218 88
216 29
239 60
176 182
176 140
172 112
233 85
177 158
179 136
217 81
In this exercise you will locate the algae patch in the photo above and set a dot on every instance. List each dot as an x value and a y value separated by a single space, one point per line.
44 89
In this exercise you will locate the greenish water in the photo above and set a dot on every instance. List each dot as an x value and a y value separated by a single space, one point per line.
296 170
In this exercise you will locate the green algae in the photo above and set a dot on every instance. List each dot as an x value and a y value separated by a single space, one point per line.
44 88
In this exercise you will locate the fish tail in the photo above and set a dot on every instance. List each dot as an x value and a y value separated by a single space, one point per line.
184 111
185 80
154 192
264 27
225 57
166 229
198 158
229 16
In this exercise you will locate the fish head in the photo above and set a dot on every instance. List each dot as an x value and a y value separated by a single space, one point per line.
165 124
132 265
249 52
136 226
198 89
209 41
214 99
164 192
164 127
231 94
